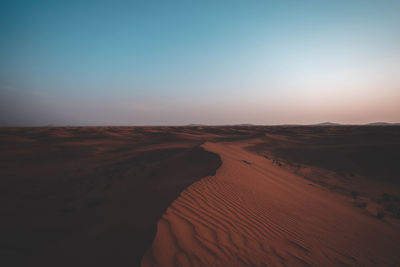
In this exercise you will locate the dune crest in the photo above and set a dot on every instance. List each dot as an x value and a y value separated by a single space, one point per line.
255 213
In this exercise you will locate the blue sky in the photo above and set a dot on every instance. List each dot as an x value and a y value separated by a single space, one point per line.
212 62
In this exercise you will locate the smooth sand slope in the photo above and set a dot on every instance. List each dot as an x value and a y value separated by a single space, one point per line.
254 212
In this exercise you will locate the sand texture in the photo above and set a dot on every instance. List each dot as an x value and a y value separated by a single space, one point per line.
255 213
200 195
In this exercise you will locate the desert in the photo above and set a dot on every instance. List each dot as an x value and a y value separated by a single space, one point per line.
200 196
199 133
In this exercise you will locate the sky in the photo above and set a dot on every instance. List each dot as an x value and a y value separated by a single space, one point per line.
206 62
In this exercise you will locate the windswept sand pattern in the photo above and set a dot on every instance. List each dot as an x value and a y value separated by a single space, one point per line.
254 213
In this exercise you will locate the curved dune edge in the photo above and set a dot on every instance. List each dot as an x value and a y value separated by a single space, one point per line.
255 213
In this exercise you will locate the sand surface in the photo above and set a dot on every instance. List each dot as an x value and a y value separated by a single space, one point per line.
284 195
253 212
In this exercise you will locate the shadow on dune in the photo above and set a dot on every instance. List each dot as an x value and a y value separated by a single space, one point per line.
372 152
69 199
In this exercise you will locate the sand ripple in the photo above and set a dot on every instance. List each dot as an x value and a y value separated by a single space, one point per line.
254 213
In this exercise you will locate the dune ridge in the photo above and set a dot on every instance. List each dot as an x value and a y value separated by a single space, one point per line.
254 213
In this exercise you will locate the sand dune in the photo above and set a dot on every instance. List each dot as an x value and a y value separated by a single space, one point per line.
93 196
254 212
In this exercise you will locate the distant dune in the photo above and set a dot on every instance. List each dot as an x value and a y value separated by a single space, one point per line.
327 124
382 124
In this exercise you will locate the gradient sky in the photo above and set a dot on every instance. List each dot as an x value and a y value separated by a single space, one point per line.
211 62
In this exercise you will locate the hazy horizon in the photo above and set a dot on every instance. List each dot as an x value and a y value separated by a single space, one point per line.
169 63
